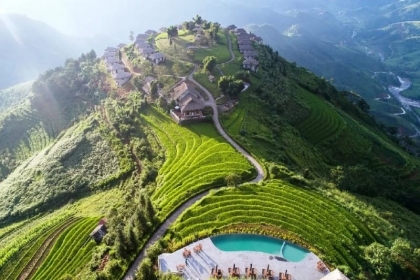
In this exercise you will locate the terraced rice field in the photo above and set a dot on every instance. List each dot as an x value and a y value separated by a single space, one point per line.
291 213
197 158
71 251
323 122
20 241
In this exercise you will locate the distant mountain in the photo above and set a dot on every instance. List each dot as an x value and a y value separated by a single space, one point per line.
29 47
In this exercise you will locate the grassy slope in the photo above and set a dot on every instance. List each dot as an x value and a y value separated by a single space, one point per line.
77 160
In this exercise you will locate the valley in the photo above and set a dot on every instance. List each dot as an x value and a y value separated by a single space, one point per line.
113 141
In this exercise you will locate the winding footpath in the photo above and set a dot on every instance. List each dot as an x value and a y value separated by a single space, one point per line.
158 234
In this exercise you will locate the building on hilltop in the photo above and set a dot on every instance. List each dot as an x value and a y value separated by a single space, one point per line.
189 100
244 41
150 32
111 49
142 37
250 54
157 58
141 44
251 64
256 39
146 52
244 48
110 54
122 45
231 27
121 78
116 67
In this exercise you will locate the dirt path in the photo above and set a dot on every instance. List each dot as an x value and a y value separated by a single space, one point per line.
130 274
232 55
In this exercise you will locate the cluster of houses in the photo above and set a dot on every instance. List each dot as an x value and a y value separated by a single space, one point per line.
146 50
245 41
115 66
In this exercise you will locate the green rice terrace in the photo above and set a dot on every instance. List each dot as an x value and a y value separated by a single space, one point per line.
197 158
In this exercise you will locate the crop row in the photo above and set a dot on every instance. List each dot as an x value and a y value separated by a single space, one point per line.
20 261
12 244
68 251
197 158
322 122
325 225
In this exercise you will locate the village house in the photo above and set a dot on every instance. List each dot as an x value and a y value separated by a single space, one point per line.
189 101
110 54
121 78
157 58
142 37
146 52
231 28
239 31
250 54
141 44
116 67
251 64
111 60
120 46
111 49
244 42
244 48
99 232
243 37
150 32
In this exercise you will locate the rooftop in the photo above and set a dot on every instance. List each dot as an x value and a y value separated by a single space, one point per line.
200 264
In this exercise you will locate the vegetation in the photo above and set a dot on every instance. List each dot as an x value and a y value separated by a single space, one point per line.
196 160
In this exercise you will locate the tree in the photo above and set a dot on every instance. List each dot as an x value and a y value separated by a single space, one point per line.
235 87
154 89
162 103
401 251
232 179
209 63
198 19
223 83
377 256
137 83
172 31
131 37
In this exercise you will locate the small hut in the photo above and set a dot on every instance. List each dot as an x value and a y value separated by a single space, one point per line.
98 233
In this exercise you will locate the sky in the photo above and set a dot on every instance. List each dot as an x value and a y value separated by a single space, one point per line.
104 17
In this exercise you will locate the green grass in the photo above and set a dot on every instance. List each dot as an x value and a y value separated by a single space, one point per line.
71 251
202 77
323 123
295 214
197 158
220 50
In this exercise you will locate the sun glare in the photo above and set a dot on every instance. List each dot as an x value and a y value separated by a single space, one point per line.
11 28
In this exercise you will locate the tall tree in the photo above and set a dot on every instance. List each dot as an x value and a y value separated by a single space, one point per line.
198 19
131 36
209 63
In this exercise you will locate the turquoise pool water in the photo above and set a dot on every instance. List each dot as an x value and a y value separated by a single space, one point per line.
259 243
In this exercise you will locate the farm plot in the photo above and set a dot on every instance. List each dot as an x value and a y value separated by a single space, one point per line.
18 241
288 212
72 250
197 158
323 122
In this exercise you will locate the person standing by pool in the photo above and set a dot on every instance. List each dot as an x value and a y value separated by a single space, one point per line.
186 262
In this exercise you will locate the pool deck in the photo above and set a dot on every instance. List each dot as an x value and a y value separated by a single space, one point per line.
200 264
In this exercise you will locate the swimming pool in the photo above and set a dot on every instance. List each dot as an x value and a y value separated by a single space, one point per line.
259 243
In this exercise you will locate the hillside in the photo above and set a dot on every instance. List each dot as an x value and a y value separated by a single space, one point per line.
29 47
80 148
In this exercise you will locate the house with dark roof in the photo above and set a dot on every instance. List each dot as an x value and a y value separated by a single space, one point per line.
110 54
121 78
189 100
231 27
157 57
120 46
243 37
142 37
111 60
250 54
244 48
116 67
251 64
150 32
146 52
141 44
244 41
240 31
98 233
111 49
